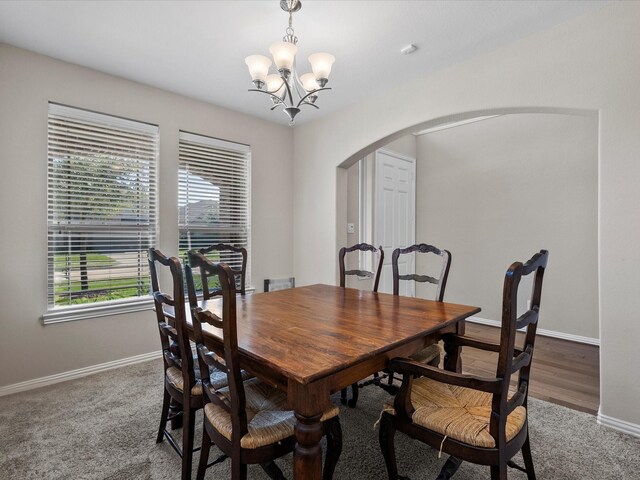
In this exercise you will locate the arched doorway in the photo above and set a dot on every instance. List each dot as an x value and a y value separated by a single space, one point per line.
498 190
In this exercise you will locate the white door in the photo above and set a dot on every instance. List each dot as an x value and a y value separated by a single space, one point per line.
394 209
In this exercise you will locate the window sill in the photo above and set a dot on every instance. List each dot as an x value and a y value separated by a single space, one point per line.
116 307
83 312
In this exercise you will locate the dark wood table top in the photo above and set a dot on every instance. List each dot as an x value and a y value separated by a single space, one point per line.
311 332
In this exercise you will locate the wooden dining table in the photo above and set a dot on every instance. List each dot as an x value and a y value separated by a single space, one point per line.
315 340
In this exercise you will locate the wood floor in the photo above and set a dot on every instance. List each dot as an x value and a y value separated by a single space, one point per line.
563 372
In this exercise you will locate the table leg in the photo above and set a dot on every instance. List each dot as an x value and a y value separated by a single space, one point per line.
308 403
307 457
452 358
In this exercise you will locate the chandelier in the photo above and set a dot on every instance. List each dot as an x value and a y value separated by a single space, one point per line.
285 88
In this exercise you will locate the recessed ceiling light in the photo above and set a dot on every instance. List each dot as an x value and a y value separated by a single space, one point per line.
408 49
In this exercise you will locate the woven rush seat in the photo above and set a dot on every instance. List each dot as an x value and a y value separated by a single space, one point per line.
218 379
268 418
427 354
458 412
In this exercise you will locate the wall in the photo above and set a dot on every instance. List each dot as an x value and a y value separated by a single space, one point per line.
499 190
27 82
406 146
591 63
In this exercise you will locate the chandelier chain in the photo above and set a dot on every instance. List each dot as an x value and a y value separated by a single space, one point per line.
289 29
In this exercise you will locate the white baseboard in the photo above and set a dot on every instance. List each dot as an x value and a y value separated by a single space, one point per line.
73 374
542 331
619 425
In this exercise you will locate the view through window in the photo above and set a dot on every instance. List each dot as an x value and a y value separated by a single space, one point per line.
101 206
214 198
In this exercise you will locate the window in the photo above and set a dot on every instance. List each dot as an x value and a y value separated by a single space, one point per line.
214 196
101 212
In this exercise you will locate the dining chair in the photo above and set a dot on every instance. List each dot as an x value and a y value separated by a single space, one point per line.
199 262
431 353
472 418
182 386
248 420
375 275
361 247
232 253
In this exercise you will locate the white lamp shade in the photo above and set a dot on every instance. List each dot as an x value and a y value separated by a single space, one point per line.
275 82
321 64
284 53
308 81
258 66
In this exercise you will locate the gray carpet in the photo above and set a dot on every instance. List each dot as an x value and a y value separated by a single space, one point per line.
104 427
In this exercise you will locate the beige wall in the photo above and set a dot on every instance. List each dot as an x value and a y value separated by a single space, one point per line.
589 63
406 146
499 190
27 82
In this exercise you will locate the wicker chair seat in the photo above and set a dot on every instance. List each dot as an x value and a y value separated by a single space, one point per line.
427 354
268 418
218 379
457 412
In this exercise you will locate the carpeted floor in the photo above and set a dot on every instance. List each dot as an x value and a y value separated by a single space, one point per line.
104 427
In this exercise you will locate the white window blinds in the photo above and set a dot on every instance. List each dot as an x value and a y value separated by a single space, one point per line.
214 197
101 206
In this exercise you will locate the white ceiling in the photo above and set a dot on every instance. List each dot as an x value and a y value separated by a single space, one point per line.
198 48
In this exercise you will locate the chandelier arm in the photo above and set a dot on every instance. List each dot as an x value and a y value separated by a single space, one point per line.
312 92
298 85
276 97
286 84
272 92
313 105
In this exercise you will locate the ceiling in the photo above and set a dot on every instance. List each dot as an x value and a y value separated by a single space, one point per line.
198 48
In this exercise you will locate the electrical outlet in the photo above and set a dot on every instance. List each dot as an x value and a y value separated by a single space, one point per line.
351 228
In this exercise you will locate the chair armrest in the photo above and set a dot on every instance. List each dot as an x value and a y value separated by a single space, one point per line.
464 341
407 366
409 369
